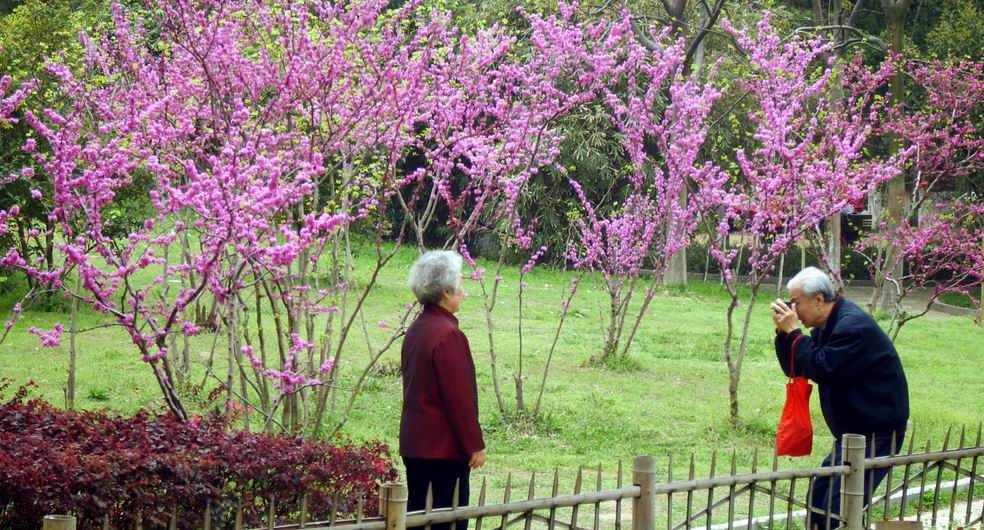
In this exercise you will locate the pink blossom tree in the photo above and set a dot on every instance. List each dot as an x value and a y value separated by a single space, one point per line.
939 128
805 163
649 225
502 132
944 253
265 129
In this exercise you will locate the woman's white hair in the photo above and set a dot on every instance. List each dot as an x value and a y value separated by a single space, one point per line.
433 273
813 281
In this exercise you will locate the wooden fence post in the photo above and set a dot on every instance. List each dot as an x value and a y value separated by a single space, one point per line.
852 487
58 522
393 505
644 507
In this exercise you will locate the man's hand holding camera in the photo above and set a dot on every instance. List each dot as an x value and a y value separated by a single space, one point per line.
784 315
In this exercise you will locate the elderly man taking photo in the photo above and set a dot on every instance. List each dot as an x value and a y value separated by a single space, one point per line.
862 386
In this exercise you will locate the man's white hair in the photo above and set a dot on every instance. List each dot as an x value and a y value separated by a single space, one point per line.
433 273
813 281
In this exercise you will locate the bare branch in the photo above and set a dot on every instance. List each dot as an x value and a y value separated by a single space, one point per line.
705 28
855 13
864 37
642 37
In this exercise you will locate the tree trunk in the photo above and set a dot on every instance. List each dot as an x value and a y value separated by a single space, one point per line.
72 350
733 374
518 377
49 246
676 269
834 250
895 12
232 330
25 252
489 327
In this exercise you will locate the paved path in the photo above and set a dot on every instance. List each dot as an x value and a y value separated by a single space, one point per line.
915 301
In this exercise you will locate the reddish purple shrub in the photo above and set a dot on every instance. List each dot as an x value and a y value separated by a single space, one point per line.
96 465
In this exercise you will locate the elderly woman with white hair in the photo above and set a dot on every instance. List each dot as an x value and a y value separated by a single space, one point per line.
861 382
440 437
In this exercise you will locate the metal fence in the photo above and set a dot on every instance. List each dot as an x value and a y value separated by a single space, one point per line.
943 488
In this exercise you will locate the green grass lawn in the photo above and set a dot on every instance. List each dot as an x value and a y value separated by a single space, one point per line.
674 403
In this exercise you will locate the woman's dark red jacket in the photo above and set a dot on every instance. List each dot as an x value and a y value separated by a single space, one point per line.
440 395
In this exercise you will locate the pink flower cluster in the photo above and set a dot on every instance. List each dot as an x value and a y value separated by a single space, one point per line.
49 339
10 103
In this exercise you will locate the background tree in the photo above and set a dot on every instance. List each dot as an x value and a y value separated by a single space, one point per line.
937 231
806 164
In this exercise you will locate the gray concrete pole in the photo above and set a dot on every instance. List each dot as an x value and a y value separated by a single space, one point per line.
852 487
644 507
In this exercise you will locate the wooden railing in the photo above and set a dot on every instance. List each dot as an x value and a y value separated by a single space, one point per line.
949 493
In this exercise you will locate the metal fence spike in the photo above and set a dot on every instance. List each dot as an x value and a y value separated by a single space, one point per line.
905 479
690 493
528 521
939 479
669 496
751 491
731 490
505 500
554 489
618 502
429 502
481 502
888 480
973 476
830 491
597 505
922 486
772 489
710 491
870 477
789 506
956 476
809 503
481 493
577 490
531 492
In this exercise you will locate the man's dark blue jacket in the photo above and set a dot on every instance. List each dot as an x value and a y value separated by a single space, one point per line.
862 385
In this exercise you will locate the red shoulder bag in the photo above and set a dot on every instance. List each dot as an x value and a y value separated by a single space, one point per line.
795 434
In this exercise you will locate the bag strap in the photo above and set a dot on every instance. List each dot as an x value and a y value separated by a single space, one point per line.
792 356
